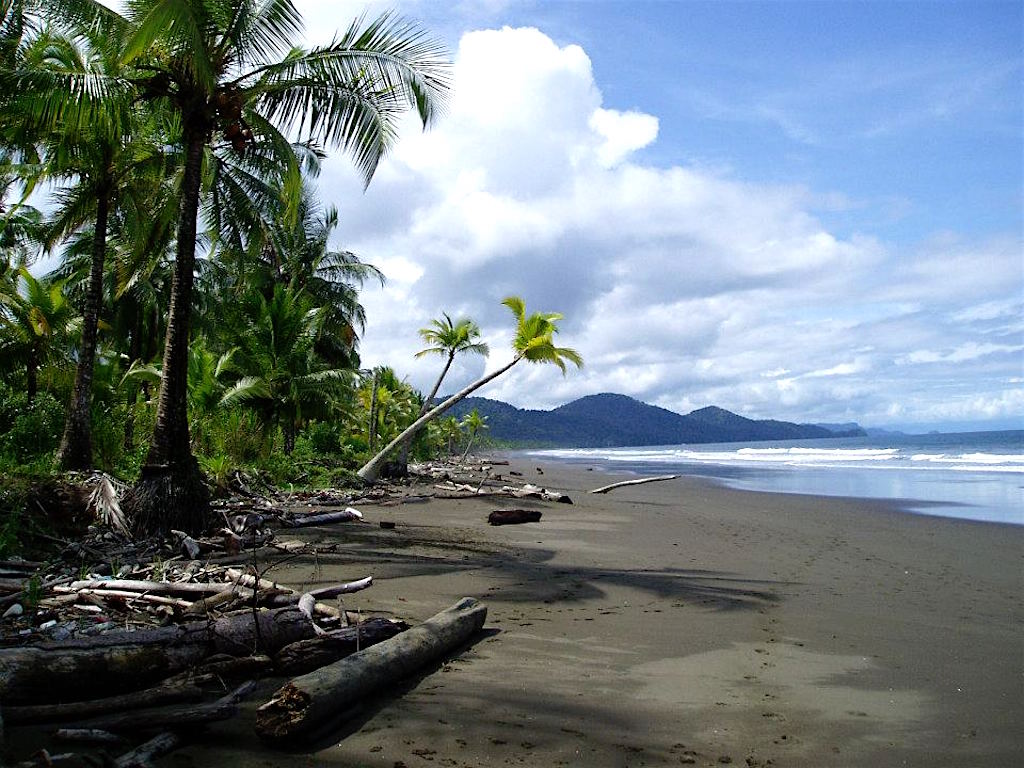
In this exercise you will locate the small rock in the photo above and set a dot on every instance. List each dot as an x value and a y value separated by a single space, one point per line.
15 610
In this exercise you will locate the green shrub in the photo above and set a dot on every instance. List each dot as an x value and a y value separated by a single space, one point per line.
34 430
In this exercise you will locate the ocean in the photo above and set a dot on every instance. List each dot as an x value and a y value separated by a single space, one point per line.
971 475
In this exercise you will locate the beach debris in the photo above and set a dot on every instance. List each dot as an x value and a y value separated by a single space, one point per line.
341 516
305 656
513 516
309 701
121 661
144 754
165 693
638 481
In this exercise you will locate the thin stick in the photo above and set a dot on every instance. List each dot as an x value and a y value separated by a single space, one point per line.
640 481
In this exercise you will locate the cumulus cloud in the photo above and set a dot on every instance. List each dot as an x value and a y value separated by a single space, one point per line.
680 285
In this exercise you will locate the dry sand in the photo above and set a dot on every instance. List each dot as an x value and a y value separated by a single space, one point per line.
683 623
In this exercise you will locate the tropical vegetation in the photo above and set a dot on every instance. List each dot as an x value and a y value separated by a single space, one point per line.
173 309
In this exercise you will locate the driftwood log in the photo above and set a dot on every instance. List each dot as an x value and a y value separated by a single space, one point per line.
306 655
639 481
323 518
310 701
124 661
513 516
177 716
76 710
143 755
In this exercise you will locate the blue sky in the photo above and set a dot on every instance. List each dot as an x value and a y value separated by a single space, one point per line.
807 211
804 211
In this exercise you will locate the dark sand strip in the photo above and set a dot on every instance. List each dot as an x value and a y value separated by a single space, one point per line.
683 623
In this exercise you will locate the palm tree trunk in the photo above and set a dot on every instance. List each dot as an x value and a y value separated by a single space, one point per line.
75 450
371 427
31 376
171 492
371 470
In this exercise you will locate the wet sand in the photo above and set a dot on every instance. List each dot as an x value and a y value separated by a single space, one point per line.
681 623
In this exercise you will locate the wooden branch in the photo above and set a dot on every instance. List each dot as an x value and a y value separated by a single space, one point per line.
325 593
175 602
310 701
157 587
88 735
639 481
340 516
144 754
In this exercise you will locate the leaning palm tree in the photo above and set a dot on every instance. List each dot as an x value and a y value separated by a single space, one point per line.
446 339
230 72
534 341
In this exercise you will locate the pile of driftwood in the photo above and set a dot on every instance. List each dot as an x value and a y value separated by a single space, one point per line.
153 639
116 687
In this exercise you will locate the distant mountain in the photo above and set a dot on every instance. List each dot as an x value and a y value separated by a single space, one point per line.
607 420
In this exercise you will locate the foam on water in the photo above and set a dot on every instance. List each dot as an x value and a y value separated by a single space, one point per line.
973 475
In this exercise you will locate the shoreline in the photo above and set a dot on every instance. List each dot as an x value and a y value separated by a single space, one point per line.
945 498
681 622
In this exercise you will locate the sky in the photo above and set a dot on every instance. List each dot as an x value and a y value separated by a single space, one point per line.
809 211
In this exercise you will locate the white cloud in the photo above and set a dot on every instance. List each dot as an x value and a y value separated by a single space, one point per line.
680 285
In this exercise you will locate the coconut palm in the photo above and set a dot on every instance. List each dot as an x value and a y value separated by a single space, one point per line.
534 341
36 322
472 422
230 72
283 378
446 339
96 163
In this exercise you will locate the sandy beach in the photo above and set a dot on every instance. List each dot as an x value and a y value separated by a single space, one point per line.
681 623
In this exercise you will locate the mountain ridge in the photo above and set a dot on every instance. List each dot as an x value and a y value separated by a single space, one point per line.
609 419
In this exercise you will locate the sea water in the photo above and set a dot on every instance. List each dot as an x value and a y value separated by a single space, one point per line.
973 475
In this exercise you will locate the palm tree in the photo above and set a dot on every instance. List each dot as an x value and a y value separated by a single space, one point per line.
230 73
447 339
98 162
472 422
294 250
36 322
283 378
534 341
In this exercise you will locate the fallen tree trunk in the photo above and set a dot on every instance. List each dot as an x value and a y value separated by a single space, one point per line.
306 655
124 661
163 718
151 697
310 701
639 481
513 516
323 518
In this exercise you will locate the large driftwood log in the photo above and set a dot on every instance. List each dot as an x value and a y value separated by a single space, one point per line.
306 655
124 661
310 701
639 481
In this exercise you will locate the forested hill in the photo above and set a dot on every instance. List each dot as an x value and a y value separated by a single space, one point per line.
610 420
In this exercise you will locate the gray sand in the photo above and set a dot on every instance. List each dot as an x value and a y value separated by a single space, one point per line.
682 623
